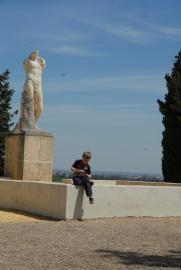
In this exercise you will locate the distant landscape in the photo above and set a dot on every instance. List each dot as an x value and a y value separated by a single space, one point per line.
58 175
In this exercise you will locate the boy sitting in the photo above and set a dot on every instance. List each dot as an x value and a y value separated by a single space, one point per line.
82 174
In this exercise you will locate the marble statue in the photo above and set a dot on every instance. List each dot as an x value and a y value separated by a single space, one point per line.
29 149
31 105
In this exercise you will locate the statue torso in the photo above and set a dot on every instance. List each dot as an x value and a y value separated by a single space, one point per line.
34 69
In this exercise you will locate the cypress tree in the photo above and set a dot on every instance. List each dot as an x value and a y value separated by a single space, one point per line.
6 113
171 111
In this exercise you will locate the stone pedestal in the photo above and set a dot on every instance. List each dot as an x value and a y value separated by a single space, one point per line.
28 156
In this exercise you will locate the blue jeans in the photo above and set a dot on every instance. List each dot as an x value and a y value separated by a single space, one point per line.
83 181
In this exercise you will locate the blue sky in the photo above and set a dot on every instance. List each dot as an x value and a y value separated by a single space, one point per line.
106 61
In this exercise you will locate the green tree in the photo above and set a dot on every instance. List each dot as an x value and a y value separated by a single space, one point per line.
171 111
6 113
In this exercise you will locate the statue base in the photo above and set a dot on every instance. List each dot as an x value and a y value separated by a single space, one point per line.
29 155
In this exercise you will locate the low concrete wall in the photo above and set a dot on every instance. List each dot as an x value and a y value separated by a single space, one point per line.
65 201
41 198
121 201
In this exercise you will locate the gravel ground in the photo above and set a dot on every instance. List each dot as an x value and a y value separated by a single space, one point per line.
116 243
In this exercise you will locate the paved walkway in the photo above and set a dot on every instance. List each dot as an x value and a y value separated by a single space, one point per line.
102 244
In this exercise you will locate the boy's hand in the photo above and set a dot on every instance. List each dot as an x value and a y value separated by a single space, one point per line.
82 172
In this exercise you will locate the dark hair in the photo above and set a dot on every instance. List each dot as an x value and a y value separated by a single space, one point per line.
86 154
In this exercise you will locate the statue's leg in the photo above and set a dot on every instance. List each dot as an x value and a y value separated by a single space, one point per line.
28 88
27 117
38 103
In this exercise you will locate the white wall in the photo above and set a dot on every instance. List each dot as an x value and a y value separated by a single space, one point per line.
64 201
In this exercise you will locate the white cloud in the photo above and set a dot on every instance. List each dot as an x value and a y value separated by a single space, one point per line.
133 30
54 37
122 30
75 51
168 31
129 33
141 33
143 82
132 115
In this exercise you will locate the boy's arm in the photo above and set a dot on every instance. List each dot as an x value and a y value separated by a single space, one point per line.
89 172
74 170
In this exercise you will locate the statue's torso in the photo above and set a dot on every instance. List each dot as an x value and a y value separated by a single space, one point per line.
33 70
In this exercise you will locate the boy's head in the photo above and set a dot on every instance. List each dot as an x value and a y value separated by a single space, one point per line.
86 157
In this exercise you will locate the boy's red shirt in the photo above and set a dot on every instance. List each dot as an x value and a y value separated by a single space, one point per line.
78 164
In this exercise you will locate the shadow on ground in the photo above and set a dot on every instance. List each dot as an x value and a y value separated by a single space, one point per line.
173 259
25 214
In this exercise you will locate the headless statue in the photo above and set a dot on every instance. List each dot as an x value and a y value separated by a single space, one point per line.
31 105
